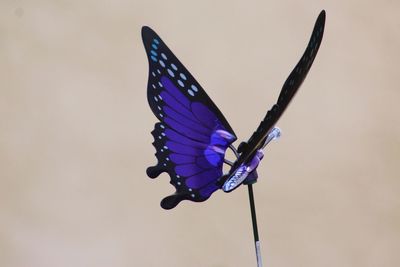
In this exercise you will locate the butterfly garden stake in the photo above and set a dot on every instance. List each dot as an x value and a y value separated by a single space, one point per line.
192 136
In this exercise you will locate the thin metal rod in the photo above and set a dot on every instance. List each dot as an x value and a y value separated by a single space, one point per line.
254 222
234 150
230 163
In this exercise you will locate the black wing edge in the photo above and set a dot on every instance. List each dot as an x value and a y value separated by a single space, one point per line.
289 89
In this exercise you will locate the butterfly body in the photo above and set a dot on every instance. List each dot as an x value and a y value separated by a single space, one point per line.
192 136
245 172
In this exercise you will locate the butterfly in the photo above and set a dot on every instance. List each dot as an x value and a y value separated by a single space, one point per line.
192 135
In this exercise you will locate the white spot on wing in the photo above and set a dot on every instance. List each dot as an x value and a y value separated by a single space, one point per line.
194 88
190 92
170 72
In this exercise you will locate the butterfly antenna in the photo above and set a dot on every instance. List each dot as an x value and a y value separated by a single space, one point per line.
255 228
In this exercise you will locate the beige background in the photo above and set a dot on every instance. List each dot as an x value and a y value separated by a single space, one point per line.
75 134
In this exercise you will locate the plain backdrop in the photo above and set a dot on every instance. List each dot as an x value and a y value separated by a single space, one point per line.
75 134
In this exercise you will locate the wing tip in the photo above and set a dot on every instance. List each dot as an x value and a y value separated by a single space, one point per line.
148 34
319 27
145 30
321 19
322 14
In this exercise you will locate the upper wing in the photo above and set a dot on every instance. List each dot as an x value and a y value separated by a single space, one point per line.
289 89
193 135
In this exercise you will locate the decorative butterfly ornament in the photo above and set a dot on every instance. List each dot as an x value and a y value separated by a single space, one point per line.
193 136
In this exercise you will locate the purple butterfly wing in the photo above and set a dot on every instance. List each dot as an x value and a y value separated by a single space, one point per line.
192 135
